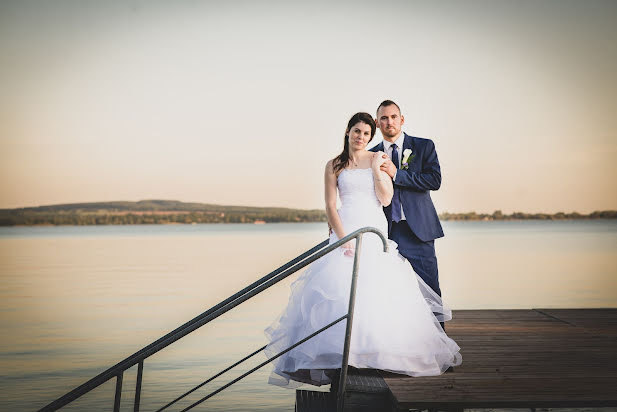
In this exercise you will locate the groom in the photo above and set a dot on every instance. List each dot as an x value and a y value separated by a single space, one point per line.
414 169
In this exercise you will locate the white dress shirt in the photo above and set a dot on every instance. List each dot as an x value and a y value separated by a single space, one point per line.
387 147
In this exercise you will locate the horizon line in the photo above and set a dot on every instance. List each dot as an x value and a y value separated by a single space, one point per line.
278 207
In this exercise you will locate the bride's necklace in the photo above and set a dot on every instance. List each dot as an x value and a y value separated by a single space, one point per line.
353 161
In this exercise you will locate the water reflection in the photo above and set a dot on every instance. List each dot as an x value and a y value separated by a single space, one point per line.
74 301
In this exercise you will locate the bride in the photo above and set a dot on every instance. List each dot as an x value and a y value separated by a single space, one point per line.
396 316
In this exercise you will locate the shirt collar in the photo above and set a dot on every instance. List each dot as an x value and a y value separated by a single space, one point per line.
399 142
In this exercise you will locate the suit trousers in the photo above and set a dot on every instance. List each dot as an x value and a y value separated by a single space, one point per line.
420 254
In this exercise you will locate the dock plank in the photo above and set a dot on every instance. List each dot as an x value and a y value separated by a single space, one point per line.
522 358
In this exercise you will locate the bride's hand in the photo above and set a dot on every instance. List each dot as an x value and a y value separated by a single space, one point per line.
349 248
378 159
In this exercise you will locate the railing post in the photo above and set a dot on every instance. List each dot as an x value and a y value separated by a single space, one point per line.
140 371
118 392
352 301
272 278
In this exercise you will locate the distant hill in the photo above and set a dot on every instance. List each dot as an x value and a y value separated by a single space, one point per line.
176 212
152 212
145 205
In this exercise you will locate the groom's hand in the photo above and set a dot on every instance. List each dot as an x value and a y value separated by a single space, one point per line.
388 167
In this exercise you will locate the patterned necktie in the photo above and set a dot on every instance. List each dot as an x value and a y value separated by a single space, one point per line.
396 200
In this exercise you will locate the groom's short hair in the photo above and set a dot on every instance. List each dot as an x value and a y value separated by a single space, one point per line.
388 103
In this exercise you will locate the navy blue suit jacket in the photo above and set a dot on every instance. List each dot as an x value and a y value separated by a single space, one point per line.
414 186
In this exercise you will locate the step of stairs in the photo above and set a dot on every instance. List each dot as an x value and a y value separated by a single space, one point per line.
365 391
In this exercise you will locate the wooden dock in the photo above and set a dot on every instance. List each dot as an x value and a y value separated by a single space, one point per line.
539 358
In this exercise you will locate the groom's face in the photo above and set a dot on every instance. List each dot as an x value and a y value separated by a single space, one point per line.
389 120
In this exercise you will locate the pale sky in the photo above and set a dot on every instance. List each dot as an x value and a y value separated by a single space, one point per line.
243 103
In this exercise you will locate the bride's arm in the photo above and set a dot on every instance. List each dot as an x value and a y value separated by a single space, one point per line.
383 184
330 186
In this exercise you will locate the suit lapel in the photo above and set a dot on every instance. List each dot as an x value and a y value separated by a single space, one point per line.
379 147
408 142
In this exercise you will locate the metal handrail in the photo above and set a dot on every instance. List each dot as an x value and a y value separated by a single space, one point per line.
210 379
256 287
228 384
162 342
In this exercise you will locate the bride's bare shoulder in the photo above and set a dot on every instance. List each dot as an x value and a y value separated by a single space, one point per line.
330 169
330 166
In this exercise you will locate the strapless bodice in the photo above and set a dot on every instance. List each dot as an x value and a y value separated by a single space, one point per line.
360 206
357 189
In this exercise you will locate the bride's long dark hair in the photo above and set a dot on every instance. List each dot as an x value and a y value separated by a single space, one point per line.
341 161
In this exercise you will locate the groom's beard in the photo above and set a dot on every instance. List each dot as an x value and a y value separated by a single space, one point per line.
390 133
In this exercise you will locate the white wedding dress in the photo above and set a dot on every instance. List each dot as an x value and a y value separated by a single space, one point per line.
396 318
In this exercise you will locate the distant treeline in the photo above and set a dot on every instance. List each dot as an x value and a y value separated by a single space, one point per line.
152 212
497 215
171 211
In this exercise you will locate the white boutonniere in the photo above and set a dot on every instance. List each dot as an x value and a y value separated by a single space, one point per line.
408 156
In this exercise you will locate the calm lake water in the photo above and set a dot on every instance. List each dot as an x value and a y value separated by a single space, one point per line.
76 300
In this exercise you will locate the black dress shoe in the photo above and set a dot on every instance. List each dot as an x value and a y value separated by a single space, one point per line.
450 369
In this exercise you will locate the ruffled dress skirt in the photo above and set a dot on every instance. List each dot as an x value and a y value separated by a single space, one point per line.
396 318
